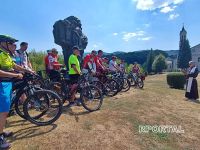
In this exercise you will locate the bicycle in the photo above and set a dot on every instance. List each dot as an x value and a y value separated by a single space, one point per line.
89 94
31 88
136 80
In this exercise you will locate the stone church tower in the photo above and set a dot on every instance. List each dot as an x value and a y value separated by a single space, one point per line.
172 59
184 55
183 37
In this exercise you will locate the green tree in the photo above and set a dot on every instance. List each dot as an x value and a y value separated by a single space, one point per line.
159 63
184 54
37 60
149 62
129 68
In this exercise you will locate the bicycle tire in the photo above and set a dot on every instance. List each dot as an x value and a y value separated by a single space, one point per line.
35 120
87 92
126 85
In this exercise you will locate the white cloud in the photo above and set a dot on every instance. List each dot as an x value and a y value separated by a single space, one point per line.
166 9
115 34
145 38
178 1
140 33
144 4
155 4
130 35
173 16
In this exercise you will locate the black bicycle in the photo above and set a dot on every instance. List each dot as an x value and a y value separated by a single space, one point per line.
105 83
90 96
136 80
122 80
27 91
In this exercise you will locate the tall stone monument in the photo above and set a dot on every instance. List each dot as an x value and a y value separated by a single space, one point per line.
68 33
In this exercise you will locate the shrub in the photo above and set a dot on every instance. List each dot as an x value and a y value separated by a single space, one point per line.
176 80
159 64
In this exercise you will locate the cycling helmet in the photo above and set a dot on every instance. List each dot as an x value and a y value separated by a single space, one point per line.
75 48
6 38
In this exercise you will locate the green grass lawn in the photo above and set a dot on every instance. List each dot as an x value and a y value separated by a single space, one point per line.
116 125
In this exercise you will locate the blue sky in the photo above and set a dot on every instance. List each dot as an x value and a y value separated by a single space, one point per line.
111 25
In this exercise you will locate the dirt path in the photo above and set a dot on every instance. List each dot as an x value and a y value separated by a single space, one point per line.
115 126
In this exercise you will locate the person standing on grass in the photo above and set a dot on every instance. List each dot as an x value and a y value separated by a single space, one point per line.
22 58
7 72
53 65
74 73
191 85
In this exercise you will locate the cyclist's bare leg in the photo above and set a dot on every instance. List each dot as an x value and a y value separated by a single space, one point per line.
73 92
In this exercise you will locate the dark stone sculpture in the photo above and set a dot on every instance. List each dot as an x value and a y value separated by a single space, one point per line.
68 33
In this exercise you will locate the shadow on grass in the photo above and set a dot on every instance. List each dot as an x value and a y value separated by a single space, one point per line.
15 123
68 110
30 132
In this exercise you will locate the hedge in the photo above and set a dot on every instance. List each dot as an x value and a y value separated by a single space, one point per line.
176 80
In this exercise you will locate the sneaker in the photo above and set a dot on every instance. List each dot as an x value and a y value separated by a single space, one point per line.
3 143
7 134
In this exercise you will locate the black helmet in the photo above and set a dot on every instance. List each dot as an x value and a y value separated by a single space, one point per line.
6 38
75 48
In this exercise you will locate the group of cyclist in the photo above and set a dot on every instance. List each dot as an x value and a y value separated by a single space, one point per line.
13 63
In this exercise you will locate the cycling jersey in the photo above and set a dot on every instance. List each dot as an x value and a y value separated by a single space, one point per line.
73 60
52 62
98 61
6 62
86 60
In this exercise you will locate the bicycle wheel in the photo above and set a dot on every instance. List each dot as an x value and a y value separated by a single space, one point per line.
140 83
19 100
43 107
126 85
112 87
61 90
91 98
120 83
100 85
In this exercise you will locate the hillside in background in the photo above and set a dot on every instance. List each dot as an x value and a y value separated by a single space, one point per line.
136 56
37 58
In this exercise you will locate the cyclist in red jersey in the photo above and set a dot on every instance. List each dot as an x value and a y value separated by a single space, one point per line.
89 63
46 60
53 65
99 61
87 58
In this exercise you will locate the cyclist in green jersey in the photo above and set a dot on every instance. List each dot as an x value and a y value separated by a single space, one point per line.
7 72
